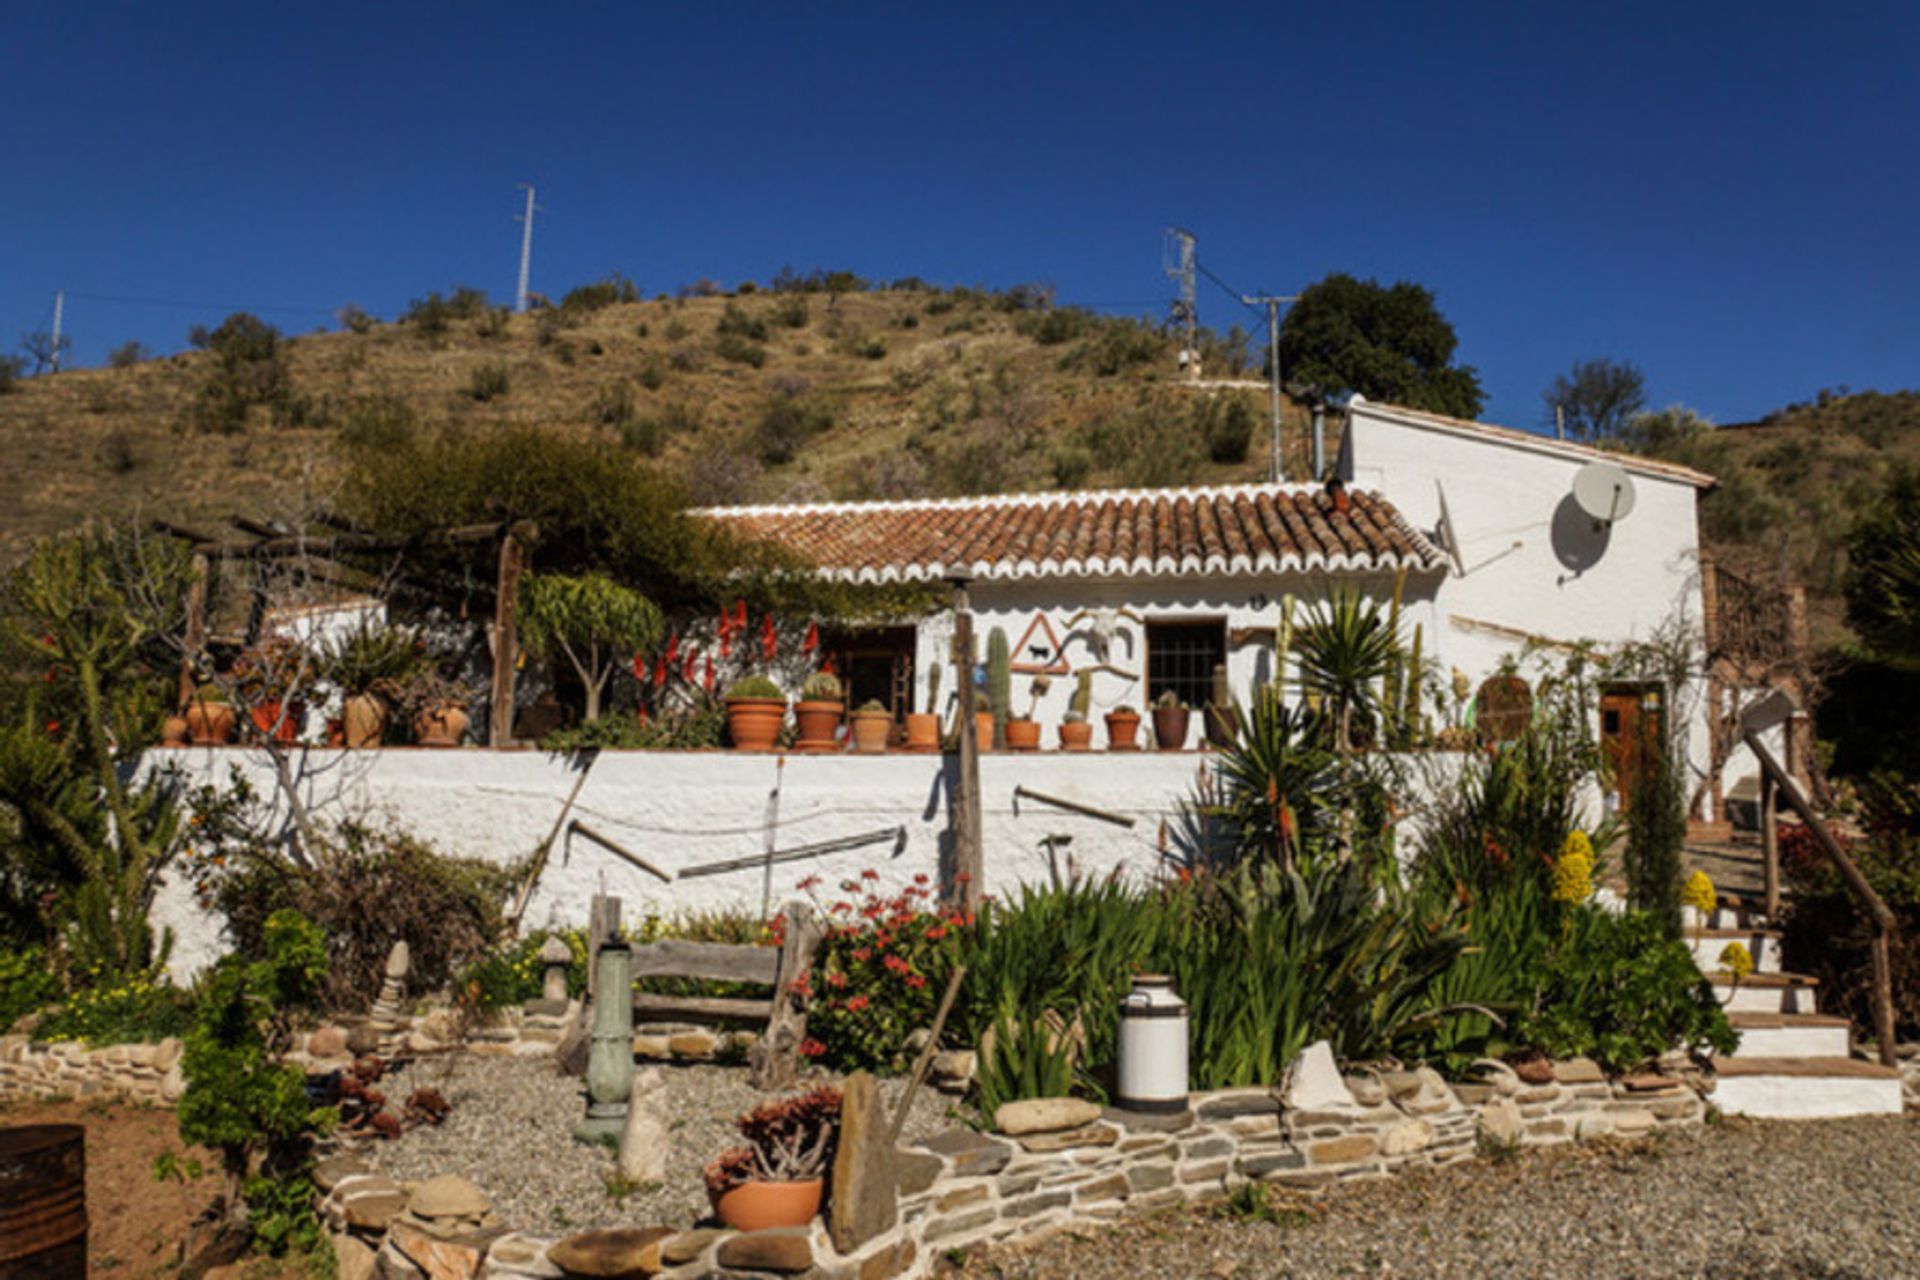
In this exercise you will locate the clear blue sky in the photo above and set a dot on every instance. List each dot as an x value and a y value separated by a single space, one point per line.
1726 194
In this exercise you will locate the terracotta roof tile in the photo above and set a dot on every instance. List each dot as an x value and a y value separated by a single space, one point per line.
1107 534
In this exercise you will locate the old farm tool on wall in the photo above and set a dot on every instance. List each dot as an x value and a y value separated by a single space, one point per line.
800 852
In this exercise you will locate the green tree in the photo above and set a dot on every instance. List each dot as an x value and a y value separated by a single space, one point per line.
1387 343
1600 397
593 621
1883 573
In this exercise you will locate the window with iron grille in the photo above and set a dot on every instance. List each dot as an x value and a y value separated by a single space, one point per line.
1181 656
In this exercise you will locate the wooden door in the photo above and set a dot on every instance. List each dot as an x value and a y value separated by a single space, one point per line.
1631 724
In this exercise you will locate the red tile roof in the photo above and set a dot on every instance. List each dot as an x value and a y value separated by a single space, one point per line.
1245 529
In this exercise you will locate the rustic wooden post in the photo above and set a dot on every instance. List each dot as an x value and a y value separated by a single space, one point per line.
1770 843
506 639
968 859
196 637
774 1060
1883 994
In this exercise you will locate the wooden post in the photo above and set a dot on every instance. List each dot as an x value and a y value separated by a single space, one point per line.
506 640
196 637
1883 995
965 821
1770 843
774 1061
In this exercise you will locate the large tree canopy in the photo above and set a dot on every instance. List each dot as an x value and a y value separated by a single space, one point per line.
1600 397
1883 574
1387 343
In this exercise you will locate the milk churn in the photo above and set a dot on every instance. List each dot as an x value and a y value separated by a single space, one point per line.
1153 1047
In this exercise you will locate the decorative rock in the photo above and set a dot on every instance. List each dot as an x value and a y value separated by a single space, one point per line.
363 1040
327 1042
953 1069
334 1170
1366 1090
1093 1135
518 1255
556 955
1150 1121
398 960
1579 1071
1499 1122
689 1245
440 1259
1535 1071
1226 1104
1648 1083
916 1170
391 1264
865 1187
785 1249
353 1258
1406 1138
1472 1095
693 1044
614 1254
1316 1083
1592 1124
644 1139
449 1196
373 1210
971 1153
1044 1115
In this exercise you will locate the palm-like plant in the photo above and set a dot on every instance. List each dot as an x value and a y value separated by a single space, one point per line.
1277 783
1344 651
593 621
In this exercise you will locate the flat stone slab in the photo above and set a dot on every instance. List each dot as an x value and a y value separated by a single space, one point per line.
970 1152
612 1254
1044 1115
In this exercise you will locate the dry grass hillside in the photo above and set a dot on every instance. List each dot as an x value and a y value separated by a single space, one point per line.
751 396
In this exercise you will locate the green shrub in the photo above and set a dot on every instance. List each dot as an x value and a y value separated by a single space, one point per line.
589 298
735 321
489 381
1656 833
128 354
1227 423
880 973
653 372
674 330
249 369
1621 991
27 985
731 346
754 687
791 312
136 1010
613 404
1027 1055
1072 466
1054 325
13 371
645 435
515 974
786 423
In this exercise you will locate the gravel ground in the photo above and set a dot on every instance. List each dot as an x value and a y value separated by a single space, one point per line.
511 1132
1752 1200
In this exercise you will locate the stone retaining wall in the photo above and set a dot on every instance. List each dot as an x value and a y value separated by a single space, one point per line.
1070 1162
33 1070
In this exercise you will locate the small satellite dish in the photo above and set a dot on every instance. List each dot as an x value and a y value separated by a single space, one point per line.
1605 492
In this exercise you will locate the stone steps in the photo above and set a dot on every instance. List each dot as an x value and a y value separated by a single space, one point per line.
1765 992
1796 1088
1762 944
1791 1035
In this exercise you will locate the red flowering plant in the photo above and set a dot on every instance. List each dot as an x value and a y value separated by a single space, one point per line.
680 686
878 975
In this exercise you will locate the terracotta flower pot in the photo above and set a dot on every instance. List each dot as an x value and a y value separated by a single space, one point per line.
440 724
1023 735
754 723
923 732
174 732
761 1206
281 721
364 719
819 724
1123 730
1076 735
209 724
1170 726
870 730
983 729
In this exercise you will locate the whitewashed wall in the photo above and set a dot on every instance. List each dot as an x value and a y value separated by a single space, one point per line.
681 809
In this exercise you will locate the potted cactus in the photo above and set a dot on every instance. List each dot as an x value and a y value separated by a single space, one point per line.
818 713
1023 731
993 721
755 711
1123 729
923 727
1076 731
871 725
1171 718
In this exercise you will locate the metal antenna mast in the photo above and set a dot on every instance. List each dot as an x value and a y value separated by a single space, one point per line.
526 246
1178 263
59 307
1272 303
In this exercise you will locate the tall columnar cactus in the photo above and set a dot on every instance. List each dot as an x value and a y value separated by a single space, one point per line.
1282 643
1082 703
933 690
999 684
1393 681
1410 710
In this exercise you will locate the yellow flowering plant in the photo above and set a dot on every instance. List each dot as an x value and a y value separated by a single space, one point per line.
1736 960
1573 870
1699 893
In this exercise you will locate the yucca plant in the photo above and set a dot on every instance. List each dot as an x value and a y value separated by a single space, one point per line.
1277 782
1344 650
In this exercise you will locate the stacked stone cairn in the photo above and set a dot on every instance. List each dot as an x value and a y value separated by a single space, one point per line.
388 1019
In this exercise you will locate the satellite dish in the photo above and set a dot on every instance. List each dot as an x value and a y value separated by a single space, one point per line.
1604 491
1448 537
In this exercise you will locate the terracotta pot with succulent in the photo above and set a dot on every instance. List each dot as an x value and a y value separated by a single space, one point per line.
871 725
1123 729
923 727
1023 731
756 709
818 713
439 705
776 1180
1076 731
209 717
372 666
1171 719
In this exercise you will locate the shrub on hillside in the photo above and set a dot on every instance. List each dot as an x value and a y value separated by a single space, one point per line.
613 405
731 346
433 315
790 312
487 382
1054 325
128 354
13 370
786 423
736 321
249 370
1227 423
589 298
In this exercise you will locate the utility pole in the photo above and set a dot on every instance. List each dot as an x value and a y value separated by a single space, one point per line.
526 247
1272 303
59 308
1178 263
1559 422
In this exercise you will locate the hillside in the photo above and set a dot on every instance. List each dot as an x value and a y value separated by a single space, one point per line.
756 396
1791 484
